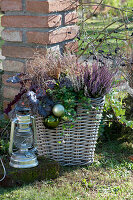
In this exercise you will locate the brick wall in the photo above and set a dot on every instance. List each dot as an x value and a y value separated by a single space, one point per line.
30 25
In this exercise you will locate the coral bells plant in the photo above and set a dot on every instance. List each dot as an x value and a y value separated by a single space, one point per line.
57 79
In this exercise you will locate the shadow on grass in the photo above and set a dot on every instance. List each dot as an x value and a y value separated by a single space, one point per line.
109 155
115 154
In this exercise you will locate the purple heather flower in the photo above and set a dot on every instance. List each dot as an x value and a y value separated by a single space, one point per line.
98 80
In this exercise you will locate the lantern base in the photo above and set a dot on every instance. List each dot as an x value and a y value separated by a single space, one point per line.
19 160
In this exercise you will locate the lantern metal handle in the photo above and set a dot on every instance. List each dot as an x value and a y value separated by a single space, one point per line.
12 136
34 131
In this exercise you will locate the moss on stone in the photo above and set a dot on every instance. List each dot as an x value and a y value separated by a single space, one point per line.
47 169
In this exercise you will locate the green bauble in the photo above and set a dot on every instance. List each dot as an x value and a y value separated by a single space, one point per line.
58 110
51 121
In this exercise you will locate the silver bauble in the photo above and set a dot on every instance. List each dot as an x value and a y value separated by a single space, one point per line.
58 110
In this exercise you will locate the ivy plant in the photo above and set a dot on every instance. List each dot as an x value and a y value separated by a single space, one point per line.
69 99
114 101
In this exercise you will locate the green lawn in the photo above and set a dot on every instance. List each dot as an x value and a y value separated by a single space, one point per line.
105 34
109 177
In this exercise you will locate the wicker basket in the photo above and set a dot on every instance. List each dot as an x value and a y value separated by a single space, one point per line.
76 146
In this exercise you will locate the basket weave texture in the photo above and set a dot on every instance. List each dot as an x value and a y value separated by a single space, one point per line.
72 146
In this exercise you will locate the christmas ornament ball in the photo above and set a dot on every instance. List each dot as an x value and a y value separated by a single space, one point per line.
58 110
51 121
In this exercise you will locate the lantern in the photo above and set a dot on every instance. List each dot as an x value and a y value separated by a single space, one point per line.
23 137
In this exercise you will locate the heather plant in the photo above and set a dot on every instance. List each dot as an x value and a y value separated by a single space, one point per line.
95 80
98 81
75 74
44 65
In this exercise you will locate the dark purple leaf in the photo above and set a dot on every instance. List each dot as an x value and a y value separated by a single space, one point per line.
13 79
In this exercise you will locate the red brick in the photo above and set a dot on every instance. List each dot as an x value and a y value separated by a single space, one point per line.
31 21
71 46
37 6
12 36
10 93
4 81
59 35
20 52
5 104
13 66
11 5
38 37
0 5
71 18
50 6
